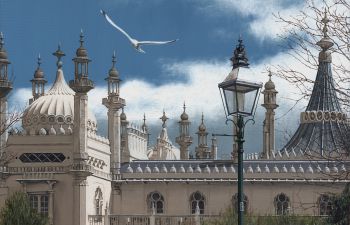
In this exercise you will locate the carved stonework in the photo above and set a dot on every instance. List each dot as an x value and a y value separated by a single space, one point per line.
319 116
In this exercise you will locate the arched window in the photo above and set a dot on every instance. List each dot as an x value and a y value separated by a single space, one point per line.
235 202
98 201
155 201
197 199
282 204
325 205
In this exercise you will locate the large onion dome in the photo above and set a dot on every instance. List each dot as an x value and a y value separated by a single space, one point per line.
55 109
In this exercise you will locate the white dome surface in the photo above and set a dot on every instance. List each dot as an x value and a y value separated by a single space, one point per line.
54 109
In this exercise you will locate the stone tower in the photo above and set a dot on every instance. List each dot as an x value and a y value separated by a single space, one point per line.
38 83
5 88
184 139
269 122
202 150
81 86
114 103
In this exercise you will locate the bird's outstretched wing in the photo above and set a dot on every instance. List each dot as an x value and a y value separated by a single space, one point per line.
115 25
156 42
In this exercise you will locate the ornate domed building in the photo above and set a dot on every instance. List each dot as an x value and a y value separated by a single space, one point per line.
74 176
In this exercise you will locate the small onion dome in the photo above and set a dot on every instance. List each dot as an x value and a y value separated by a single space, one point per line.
81 51
184 115
269 85
113 72
202 126
39 74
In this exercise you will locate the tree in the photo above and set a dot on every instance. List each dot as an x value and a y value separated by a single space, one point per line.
341 208
17 211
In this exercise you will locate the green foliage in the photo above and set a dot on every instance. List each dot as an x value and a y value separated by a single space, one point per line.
17 211
340 214
229 217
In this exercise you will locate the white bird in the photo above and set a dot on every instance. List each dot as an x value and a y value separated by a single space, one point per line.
135 43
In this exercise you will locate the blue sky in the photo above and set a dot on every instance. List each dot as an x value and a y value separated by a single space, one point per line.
165 76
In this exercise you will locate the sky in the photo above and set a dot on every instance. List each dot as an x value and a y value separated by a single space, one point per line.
166 76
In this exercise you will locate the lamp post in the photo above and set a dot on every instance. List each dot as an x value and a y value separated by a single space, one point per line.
239 98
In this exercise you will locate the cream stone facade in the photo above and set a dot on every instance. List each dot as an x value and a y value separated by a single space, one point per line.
74 176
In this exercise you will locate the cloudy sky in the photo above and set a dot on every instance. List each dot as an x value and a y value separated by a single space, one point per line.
166 76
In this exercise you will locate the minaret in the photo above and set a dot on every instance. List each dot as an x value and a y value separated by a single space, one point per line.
81 85
269 122
202 150
38 83
5 88
114 103
184 139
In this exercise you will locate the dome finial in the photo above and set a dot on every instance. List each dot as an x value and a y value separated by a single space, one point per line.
81 37
114 59
325 43
270 74
1 40
184 106
39 60
59 54
202 118
325 21
164 119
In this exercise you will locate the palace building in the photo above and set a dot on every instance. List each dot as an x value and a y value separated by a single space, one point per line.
77 177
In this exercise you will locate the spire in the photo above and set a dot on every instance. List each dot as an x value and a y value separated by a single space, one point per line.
81 37
59 54
164 119
144 125
325 43
2 43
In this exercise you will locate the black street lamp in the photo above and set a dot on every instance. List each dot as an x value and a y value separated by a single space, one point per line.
239 98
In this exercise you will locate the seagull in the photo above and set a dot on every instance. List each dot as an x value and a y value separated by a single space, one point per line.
135 43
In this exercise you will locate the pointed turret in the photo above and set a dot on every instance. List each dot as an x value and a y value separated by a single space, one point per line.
202 149
323 129
38 83
269 122
114 103
184 139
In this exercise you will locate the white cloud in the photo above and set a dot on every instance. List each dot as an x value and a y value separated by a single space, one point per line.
263 24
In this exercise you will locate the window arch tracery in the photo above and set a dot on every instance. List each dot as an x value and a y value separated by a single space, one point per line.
282 204
197 200
155 201
324 205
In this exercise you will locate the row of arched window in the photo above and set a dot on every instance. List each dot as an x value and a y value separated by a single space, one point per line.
155 202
